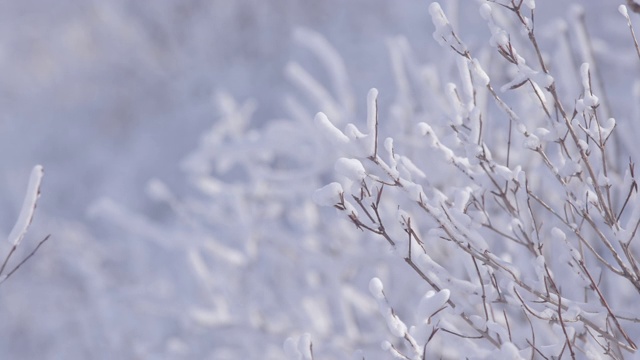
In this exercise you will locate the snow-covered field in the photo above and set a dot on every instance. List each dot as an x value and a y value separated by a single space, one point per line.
181 158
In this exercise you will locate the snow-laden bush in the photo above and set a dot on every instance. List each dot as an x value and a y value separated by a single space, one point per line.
494 202
515 200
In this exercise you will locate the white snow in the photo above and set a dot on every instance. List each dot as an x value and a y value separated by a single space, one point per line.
304 346
504 172
415 191
623 10
532 142
485 11
459 112
481 77
558 234
375 287
589 99
388 146
411 167
328 195
499 37
433 302
424 129
351 169
465 78
444 30
372 110
498 329
291 349
396 327
372 121
508 351
336 136
28 206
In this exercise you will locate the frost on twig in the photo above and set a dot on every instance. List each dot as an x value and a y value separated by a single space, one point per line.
623 10
28 207
21 226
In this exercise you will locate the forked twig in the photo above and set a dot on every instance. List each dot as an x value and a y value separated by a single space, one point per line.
24 260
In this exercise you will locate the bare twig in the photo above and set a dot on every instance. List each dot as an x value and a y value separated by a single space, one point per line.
25 259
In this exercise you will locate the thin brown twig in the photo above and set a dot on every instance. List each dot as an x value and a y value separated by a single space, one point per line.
25 259
484 292
604 303
559 311
635 7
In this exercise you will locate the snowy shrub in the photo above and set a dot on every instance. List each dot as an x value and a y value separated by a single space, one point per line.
488 212
508 189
